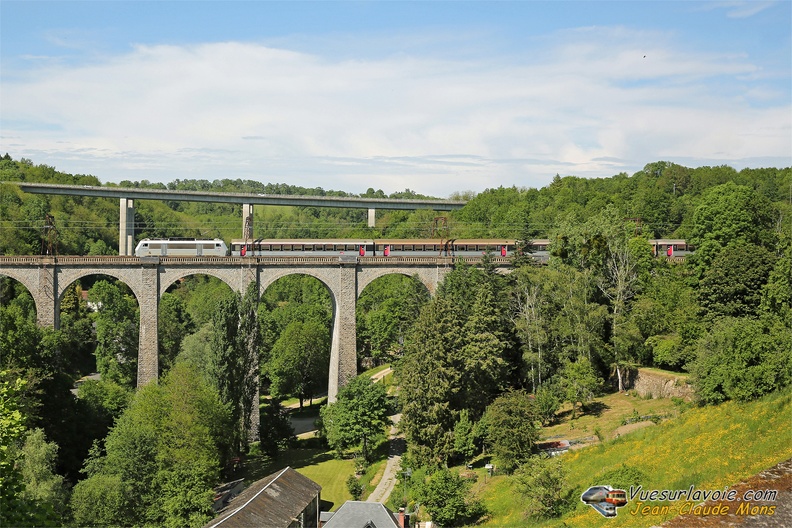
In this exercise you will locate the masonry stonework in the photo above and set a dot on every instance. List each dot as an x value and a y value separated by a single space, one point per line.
47 279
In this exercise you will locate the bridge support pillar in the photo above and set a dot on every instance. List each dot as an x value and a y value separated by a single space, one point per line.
343 352
148 347
249 278
126 231
372 215
46 296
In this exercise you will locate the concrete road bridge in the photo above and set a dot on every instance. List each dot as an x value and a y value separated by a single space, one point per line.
47 278
127 197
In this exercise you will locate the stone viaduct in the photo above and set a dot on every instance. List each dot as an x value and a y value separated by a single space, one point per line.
47 278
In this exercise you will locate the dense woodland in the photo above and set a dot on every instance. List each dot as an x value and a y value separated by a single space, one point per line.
481 365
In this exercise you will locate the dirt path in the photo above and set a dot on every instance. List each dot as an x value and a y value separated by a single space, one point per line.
629 428
396 448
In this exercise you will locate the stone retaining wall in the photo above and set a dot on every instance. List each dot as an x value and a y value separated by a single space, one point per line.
656 385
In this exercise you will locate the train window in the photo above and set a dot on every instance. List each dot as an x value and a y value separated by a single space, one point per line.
408 247
398 247
208 246
286 247
155 246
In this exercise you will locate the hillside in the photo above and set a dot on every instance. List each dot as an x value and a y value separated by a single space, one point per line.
661 198
709 447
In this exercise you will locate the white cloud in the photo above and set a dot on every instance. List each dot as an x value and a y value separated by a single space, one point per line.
589 102
741 9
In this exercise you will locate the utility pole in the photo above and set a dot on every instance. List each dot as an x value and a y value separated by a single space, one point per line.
49 237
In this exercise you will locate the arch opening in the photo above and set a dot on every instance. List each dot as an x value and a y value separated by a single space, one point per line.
386 308
185 316
296 317
100 314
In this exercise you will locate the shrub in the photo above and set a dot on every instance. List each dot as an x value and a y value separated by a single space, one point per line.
540 480
512 428
742 359
621 477
446 498
355 487
547 403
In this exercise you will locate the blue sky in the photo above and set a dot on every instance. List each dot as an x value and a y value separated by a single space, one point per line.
437 96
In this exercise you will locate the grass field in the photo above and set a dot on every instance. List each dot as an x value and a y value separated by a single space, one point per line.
709 447
319 465
605 415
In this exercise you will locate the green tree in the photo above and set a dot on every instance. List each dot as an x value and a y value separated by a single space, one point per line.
355 487
233 363
547 403
101 500
446 497
777 293
385 311
579 383
358 416
15 511
484 368
174 324
742 359
619 284
667 315
512 428
161 458
430 382
732 285
299 363
116 332
729 213
464 437
42 486
105 401
275 429
540 481
196 349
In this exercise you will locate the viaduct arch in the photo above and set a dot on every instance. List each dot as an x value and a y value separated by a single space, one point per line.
47 278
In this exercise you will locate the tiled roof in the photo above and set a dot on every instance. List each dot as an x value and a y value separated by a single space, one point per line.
357 514
274 501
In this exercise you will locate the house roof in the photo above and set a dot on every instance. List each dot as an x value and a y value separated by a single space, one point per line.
274 501
357 514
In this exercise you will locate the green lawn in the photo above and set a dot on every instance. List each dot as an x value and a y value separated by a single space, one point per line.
606 415
709 447
317 464
375 370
